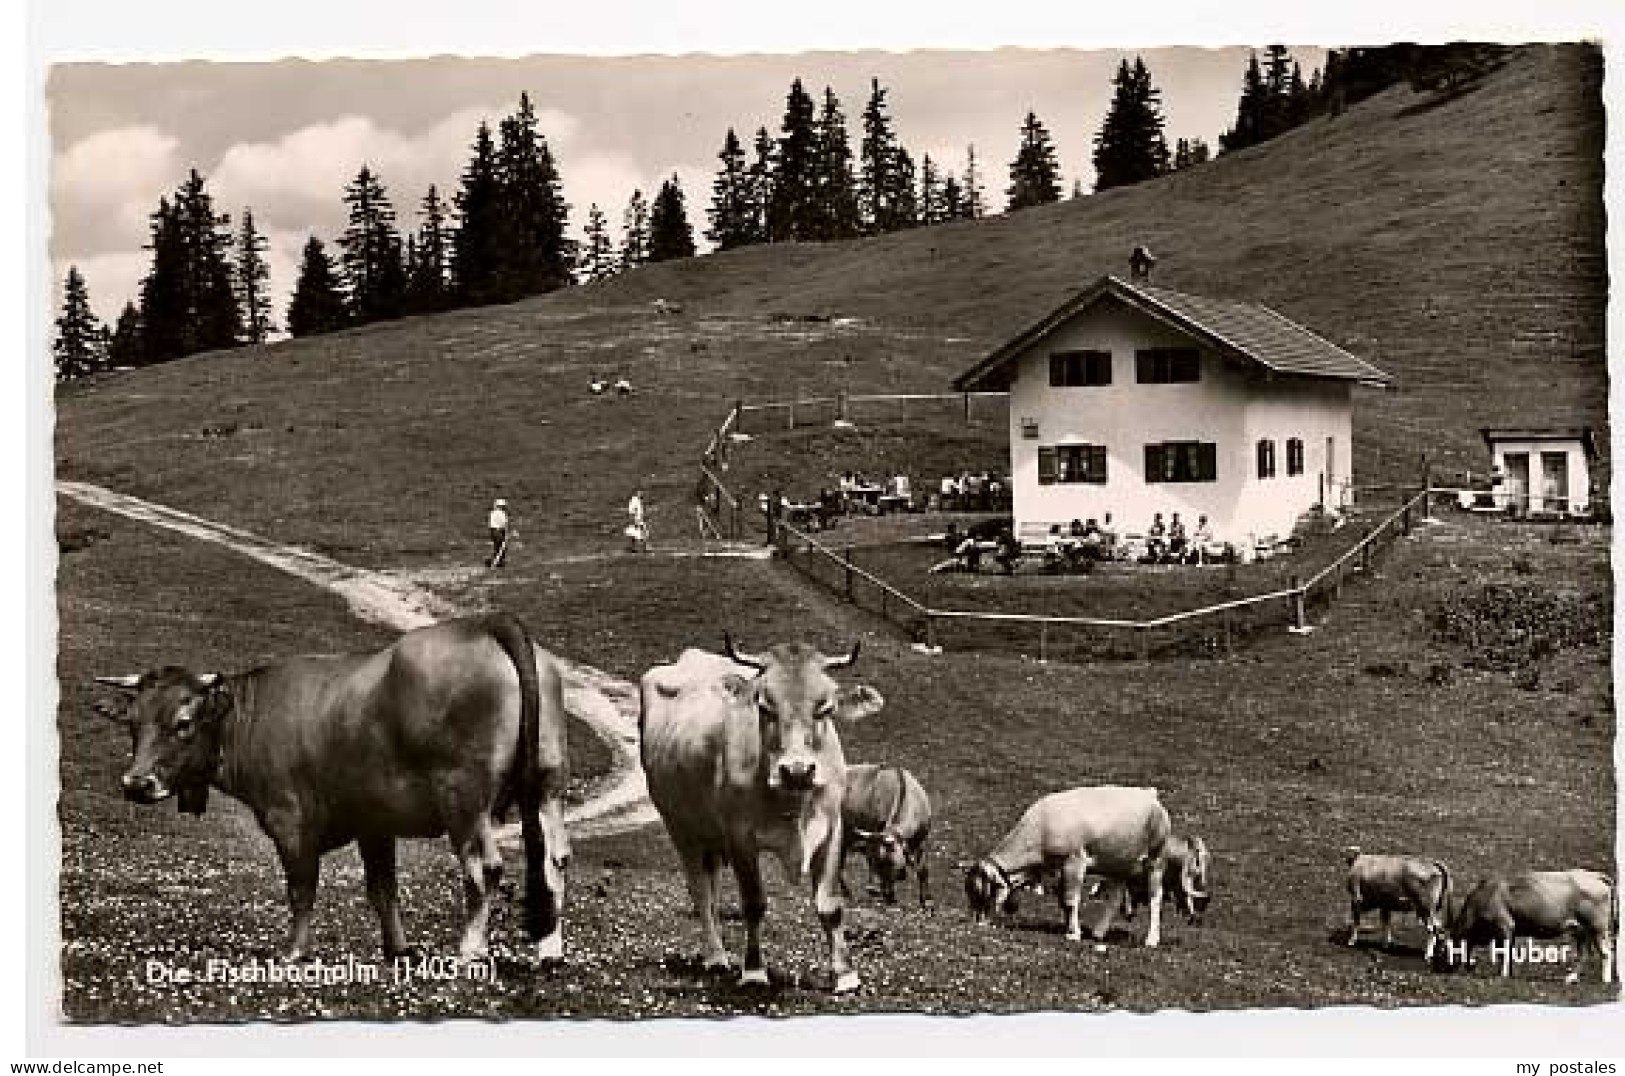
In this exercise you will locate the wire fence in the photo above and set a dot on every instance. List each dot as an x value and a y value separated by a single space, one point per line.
969 408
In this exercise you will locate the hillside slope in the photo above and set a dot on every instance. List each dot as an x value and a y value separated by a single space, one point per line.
1456 241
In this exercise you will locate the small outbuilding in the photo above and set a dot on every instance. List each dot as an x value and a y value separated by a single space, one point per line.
1132 400
1542 471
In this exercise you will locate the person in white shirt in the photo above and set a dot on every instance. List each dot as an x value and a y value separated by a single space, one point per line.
497 521
637 528
623 387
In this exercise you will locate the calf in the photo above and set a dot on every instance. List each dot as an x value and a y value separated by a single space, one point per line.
1539 904
1185 880
1389 884
1118 833
887 815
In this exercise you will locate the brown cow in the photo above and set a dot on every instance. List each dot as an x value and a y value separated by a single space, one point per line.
887 815
436 734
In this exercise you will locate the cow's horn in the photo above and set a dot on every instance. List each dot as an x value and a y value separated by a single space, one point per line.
209 680
841 663
124 683
750 660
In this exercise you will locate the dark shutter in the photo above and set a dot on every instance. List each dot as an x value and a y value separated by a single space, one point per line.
1099 371
1145 367
1186 364
1207 461
1046 466
1057 371
1097 464
1153 463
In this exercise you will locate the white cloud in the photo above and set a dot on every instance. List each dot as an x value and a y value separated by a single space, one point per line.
105 186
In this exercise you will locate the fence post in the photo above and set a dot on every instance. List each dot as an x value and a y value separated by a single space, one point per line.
792 411
930 631
1365 548
1298 619
966 397
1145 643
1043 641
739 417
1226 619
848 562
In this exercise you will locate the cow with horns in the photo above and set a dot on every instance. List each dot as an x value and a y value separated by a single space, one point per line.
887 816
742 756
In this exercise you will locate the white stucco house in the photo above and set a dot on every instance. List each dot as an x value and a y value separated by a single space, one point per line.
1542 471
1132 399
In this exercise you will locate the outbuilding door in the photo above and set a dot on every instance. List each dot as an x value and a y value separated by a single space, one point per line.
1554 481
1517 492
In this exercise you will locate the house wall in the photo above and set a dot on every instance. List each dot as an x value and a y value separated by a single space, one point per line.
1579 474
1230 406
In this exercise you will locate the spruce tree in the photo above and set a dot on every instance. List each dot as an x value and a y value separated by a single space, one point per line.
187 303
598 253
635 232
930 200
762 171
1130 146
250 279
428 279
670 236
975 200
1251 111
125 347
1035 176
731 213
953 198
792 210
318 304
887 199
79 348
535 250
374 270
477 244
835 193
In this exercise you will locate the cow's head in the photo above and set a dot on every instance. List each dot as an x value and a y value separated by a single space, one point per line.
988 889
174 720
1195 878
884 849
797 704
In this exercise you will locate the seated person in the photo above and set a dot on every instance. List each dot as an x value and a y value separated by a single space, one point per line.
623 387
1176 539
598 385
829 506
1108 537
1156 539
1007 551
1203 547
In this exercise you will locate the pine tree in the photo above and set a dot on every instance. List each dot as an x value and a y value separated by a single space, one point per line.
477 245
635 232
731 208
318 304
535 251
187 305
125 347
1130 146
1277 91
763 169
598 253
79 349
835 193
930 200
953 199
887 200
670 236
975 201
1035 176
428 279
250 280
792 210
374 270
1251 111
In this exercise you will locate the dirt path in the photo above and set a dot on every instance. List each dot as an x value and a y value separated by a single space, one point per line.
607 705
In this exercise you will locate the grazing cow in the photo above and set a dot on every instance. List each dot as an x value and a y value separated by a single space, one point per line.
437 734
1186 880
1389 884
1118 833
887 815
738 764
1539 904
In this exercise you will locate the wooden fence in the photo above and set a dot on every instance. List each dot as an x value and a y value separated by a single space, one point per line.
970 408
1210 629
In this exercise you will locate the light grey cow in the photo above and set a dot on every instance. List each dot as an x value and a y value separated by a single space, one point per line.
1389 884
1540 904
887 816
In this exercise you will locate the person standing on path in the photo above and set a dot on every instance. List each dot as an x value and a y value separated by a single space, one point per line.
637 528
497 522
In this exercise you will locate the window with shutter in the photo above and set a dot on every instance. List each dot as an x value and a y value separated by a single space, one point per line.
1181 461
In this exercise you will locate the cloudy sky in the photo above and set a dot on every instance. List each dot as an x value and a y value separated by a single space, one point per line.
285 137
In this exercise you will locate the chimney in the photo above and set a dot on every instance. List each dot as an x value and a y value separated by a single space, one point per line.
1140 264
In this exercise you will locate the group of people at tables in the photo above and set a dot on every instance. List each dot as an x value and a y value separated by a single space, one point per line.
1082 544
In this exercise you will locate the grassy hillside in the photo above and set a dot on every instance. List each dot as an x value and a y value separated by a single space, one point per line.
1455 241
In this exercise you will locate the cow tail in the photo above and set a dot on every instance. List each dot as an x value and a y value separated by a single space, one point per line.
897 802
1441 913
525 782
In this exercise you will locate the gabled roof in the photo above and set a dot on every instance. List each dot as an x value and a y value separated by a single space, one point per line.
1244 331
